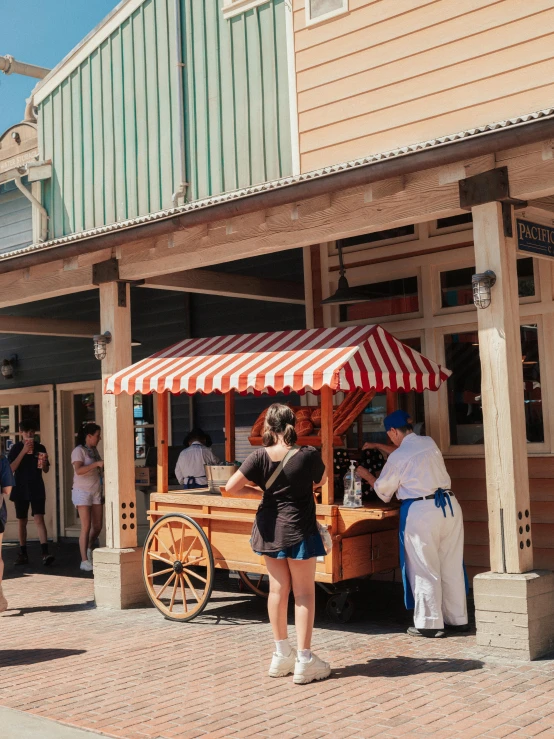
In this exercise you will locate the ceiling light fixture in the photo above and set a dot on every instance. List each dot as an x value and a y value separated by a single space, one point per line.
344 293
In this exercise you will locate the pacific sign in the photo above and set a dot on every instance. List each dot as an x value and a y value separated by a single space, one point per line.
535 238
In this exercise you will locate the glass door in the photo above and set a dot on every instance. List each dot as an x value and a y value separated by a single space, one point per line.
38 408
78 404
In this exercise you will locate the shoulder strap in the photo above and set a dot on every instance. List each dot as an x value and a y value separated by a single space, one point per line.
289 455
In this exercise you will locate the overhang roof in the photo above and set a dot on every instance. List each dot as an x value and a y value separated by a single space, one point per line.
344 359
488 138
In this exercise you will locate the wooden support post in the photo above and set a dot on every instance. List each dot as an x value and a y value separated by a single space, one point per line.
392 402
360 430
230 426
118 580
162 436
327 493
502 397
118 431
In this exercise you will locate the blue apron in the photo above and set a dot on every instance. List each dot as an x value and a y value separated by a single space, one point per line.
442 498
192 484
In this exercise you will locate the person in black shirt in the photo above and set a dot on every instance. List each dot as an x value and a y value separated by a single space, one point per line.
28 460
286 534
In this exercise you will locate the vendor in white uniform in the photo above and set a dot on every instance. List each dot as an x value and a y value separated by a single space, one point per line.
190 468
431 529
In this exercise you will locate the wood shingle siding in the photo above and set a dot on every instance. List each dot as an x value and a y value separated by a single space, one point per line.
390 74
469 485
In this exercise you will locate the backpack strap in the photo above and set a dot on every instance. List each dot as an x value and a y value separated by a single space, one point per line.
289 455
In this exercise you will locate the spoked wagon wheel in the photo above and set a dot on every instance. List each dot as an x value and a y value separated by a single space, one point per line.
178 567
257 583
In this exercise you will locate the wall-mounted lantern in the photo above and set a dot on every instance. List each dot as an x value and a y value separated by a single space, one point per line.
7 368
101 341
482 284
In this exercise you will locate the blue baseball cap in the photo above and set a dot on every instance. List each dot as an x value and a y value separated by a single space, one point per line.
396 420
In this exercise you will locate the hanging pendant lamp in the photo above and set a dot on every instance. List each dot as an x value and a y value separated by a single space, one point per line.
344 293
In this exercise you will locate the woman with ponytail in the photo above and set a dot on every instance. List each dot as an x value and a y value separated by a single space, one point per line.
285 533
87 489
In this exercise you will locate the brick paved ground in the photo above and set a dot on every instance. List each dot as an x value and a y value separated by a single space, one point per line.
133 674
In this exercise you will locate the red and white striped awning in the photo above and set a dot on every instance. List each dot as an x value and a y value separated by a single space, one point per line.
366 357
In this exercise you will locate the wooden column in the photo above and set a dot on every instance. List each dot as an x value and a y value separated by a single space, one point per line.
118 431
162 443
502 397
392 402
230 426
327 493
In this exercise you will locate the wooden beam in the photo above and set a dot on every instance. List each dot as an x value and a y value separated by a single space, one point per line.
316 276
230 285
230 426
43 282
348 215
162 442
32 325
327 493
425 196
118 431
392 401
502 398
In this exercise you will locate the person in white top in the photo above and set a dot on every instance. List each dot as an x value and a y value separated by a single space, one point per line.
431 536
189 469
87 489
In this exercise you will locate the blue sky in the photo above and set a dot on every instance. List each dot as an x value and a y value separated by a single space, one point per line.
40 32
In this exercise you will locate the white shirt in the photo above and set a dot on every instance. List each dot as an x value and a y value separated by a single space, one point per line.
415 469
191 463
89 482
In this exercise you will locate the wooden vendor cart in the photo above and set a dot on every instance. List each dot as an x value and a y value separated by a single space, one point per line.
194 532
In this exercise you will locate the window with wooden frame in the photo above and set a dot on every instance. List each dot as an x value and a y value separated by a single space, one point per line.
397 297
322 10
456 289
378 238
143 422
465 416
461 222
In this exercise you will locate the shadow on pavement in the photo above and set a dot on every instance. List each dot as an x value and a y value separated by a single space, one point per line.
66 563
14 657
63 608
406 666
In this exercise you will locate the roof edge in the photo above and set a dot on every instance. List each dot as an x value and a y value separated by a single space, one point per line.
84 48
528 128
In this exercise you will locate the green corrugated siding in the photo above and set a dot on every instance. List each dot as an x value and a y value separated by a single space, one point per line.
111 127
237 97
118 155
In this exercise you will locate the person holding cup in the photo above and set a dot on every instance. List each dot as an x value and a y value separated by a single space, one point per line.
28 461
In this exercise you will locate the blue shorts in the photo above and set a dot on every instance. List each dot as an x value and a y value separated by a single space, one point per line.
308 548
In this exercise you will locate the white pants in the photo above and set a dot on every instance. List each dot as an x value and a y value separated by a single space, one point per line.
434 548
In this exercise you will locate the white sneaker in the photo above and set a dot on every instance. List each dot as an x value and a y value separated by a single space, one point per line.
307 672
282 666
89 555
86 566
3 601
